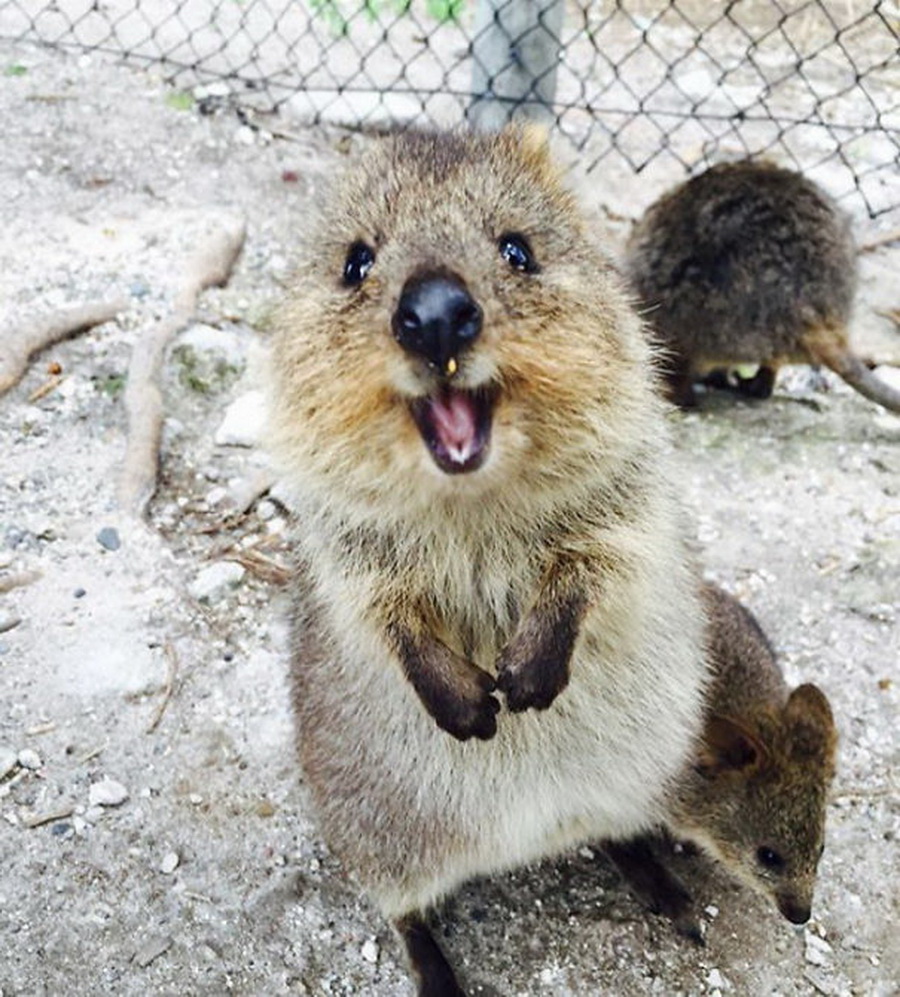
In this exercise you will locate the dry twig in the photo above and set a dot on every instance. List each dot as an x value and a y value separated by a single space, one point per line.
143 398
877 241
10 582
38 820
49 385
171 672
265 568
19 343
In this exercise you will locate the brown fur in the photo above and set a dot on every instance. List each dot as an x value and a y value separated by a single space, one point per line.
748 263
552 579
758 781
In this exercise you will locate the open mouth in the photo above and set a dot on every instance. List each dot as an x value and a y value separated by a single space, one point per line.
456 427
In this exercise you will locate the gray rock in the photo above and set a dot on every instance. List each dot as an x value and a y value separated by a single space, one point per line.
152 949
226 345
169 863
9 621
108 538
265 509
216 580
244 421
107 793
28 758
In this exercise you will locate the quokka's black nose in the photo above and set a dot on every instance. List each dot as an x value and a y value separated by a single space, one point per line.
437 319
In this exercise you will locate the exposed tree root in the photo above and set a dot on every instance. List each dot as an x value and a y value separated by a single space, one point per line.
211 265
18 343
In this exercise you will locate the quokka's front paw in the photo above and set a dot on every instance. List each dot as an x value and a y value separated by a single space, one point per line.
529 680
470 710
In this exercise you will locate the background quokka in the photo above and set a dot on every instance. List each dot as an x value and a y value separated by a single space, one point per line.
464 403
755 794
748 263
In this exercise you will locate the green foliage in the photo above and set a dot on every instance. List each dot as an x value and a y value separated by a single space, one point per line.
338 14
445 10
180 100
112 385
202 372
15 69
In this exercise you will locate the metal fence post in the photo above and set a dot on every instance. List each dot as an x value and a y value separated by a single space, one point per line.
515 52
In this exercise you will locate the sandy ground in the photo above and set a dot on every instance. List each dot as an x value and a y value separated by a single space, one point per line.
154 833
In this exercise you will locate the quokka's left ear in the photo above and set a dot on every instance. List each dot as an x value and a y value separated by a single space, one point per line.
729 747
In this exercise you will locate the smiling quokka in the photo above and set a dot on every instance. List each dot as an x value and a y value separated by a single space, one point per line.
464 404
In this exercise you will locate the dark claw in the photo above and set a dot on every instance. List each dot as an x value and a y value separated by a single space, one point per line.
472 719
521 695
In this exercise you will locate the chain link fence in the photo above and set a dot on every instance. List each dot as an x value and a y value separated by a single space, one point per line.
814 84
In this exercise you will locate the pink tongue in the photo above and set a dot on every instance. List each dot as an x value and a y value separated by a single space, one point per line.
455 424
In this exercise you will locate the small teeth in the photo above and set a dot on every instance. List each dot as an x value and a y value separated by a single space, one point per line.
460 454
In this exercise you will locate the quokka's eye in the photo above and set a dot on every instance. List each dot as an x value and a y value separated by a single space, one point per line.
514 248
769 858
360 260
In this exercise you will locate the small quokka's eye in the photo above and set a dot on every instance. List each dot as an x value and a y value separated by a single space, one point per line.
360 260
769 858
515 250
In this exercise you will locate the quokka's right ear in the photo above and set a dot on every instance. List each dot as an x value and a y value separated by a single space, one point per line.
810 723
728 747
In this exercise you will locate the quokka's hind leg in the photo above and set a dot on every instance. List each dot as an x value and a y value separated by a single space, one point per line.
761 384
654 885
718 379
433 974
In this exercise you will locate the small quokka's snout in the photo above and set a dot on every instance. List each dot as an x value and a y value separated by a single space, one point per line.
796 909
436 318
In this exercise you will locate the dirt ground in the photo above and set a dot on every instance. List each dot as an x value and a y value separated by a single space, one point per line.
154 833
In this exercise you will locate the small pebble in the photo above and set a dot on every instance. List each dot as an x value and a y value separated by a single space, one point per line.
244 422
152 949
107 793
9 621
715 979
216 580
28 758
216 496
108 538
370 950
244 136
817 949
266 509
170 862
79 593
60 828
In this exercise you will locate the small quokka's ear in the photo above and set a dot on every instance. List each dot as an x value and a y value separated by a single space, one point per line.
810 723
729 747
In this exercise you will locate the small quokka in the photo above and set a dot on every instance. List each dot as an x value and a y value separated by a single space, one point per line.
497 637
748 263
754 794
